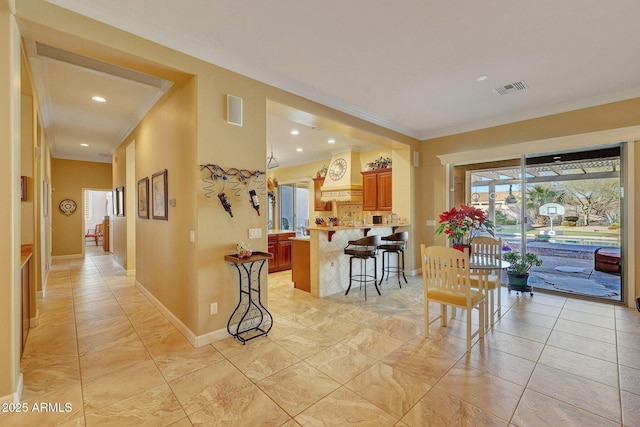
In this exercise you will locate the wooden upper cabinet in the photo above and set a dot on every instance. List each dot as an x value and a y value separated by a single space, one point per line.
384 191
318 204
369 191
376 190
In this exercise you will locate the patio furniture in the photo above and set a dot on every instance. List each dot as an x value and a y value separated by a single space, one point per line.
607 260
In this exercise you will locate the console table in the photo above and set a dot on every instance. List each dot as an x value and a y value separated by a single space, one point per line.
250 319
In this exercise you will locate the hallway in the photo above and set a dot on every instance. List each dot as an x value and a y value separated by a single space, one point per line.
102 347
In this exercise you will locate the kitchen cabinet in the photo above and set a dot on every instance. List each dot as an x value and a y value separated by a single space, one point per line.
318 204
279 245
301 264
376 190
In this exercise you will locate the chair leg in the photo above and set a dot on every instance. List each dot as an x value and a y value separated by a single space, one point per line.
426 318
443 313
375 273
469 316
499 289
492 310
382 276
482 307
350 274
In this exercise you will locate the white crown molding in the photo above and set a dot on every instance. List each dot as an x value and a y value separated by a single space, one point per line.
533 114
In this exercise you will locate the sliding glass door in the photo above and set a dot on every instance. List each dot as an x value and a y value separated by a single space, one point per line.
294 206
566 208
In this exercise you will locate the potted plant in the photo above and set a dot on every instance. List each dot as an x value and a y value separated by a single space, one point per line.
461 225
518 271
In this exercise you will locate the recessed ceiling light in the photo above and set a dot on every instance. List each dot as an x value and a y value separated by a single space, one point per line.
298 149
295 132
331 141
481 78
84 145
98 99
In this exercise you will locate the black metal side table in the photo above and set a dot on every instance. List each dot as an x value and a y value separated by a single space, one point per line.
250 319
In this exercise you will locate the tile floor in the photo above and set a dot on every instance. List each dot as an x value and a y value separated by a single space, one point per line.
103 348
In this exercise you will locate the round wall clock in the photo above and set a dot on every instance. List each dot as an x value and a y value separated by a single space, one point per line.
67 206
337 169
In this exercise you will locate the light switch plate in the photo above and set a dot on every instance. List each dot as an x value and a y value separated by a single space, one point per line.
255 233
431 222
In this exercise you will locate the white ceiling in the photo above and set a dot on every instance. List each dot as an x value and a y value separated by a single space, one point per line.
410 66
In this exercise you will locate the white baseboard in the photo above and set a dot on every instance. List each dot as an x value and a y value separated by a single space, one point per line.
16 396
74 256
130 273
195 340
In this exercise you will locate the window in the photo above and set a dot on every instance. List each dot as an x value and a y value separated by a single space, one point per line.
88 207
294 206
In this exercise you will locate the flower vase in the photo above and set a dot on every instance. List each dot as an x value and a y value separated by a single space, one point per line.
461 247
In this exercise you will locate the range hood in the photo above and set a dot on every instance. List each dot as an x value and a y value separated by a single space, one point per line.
343 182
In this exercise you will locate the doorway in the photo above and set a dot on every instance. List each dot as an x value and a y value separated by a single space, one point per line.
97 207
564 207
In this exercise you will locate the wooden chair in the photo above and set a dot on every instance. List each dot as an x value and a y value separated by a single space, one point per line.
445 278
96 234
487 250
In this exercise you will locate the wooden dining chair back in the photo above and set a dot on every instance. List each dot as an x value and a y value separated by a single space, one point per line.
446 281
96 233
486 250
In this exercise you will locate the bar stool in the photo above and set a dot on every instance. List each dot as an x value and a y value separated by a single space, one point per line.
394 244
363 249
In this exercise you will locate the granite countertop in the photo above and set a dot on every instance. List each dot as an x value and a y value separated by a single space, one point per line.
276 231
301 238
349 227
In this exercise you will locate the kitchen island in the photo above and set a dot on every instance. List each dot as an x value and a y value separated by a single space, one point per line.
329 266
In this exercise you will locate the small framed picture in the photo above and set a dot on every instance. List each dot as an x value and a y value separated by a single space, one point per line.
143 198
114 198
120 201
23 188
159 196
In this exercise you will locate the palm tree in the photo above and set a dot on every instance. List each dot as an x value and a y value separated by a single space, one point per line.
539 195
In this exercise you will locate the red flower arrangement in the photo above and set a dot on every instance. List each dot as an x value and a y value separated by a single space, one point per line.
463 224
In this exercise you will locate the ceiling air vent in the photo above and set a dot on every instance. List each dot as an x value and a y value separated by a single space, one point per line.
513 87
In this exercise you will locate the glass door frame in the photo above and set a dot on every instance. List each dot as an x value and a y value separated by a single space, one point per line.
524 181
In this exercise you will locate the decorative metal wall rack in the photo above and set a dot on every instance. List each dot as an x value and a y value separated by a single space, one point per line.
239 181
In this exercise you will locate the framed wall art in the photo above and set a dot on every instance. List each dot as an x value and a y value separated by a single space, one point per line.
114 199
23 188
143 198
159 196
45 198
119 201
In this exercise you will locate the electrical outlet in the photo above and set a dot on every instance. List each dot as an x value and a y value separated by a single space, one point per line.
192 236
255 233
213 308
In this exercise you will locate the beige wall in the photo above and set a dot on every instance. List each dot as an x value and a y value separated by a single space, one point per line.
10 220
165 261
68 179
572 130
26 168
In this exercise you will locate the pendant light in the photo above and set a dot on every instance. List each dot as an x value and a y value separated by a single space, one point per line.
272 163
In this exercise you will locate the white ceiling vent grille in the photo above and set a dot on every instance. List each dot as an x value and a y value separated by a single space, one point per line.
513 87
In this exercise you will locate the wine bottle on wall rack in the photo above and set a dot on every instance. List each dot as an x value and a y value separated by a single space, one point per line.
226 204
255 201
